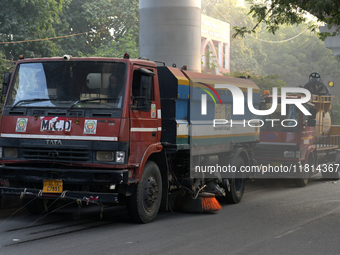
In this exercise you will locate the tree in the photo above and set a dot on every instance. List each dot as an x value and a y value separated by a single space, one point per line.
267 82
125 44
57 27
98 22
292 12
28 20
294 57
291 55
335 113
5 66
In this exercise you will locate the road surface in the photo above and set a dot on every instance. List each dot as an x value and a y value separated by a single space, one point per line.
274 217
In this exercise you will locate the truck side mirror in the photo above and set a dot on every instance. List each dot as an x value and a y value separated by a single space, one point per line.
5 83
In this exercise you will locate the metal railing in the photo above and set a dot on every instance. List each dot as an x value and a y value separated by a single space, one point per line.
327 141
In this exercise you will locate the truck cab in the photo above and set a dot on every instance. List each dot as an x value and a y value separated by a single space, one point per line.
63 132
299 145
286 140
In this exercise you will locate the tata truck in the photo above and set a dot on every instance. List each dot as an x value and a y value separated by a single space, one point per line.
296 145
62 137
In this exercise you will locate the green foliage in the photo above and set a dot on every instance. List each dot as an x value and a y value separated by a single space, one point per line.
104 20
336 113
267 82
293 52
276 13
116 49
294 60
5 66
82 25
211 63
27 20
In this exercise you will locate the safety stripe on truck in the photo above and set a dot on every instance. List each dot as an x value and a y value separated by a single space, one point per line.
61 137
146 129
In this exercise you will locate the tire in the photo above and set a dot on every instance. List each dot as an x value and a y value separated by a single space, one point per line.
304 177
144 203
303 181
39 206
237 185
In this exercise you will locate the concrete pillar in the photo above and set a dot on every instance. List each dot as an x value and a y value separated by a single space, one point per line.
170 31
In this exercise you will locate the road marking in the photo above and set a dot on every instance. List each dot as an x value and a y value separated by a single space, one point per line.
288 232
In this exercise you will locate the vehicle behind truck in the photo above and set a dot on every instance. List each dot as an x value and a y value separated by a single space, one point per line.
118 131
304 145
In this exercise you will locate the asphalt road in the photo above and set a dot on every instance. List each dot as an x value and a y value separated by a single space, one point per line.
274 217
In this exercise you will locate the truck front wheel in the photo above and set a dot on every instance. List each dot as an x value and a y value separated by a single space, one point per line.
234 196
144 203
304 176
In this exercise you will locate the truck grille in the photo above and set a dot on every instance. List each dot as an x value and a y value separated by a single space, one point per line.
59 154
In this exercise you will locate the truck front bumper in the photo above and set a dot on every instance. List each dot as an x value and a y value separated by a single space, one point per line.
69 176
79 196
85 185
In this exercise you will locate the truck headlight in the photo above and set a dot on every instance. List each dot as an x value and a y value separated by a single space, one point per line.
9 152
289 154
105 156
120 156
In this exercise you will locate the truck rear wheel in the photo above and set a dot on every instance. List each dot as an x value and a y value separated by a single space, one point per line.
144 203
234 196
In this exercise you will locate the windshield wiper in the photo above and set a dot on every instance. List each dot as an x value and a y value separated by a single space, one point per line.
31 100
93 99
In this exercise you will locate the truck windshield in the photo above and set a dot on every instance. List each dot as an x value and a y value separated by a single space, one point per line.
292 113
88 84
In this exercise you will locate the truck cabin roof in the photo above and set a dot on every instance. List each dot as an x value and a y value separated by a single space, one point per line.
127 61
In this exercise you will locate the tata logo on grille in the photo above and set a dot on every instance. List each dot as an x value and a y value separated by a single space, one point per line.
53 154
54 142
55 124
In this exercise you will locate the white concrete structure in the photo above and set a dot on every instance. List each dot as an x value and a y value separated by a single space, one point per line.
332 43
215 41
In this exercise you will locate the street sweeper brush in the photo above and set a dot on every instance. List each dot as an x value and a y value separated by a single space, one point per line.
205 202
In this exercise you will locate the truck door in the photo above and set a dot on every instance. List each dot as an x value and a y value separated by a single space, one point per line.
144 122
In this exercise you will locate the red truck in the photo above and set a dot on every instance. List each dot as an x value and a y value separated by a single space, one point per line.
65 134
304 145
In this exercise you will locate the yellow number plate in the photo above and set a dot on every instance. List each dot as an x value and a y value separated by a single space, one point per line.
53 186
